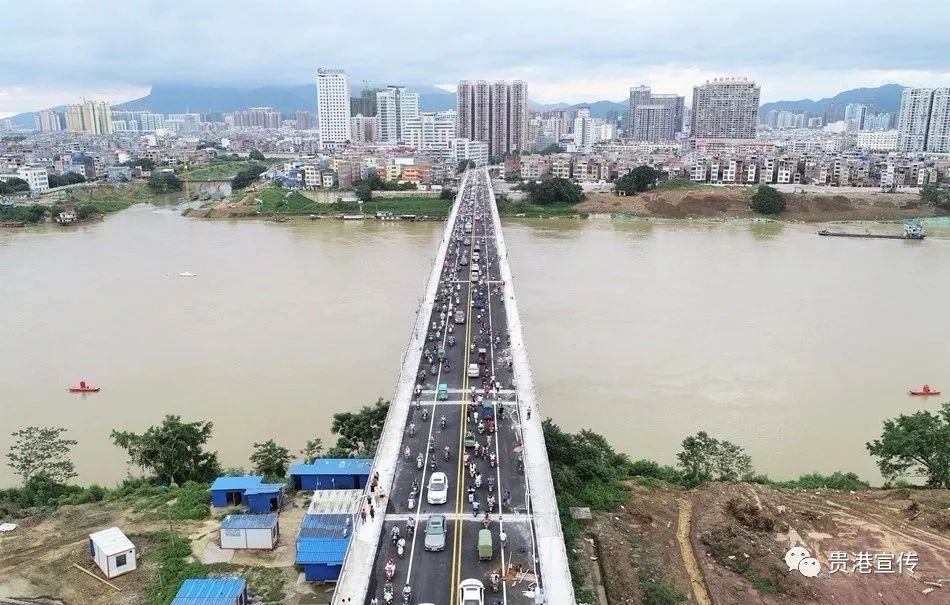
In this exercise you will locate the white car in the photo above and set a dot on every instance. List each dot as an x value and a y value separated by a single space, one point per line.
473 370
471 592
438 491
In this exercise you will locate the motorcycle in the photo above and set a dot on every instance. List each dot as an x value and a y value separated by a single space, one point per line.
520 463
412 428
407 453
432 464
406 595
419 462
445 453
491 459
410 527
495 582
395 535
401 547
442 422
390 569
425 415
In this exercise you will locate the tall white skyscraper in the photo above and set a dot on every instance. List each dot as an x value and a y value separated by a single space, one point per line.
464 97
938 131
913 121
395 107
333 107
725 108
518 116
583 130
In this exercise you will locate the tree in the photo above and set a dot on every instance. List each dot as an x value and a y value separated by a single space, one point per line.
41 451
270 459
364 192
68 178
768 200
164 182
917 444
464 165
704 458
173 451
447 194
247 176
554 191
637 180
552 149
85 211
936 196
256 155
359 432
14 185
312 451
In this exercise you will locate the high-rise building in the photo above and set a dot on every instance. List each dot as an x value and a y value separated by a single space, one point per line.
494 113
877 121
639 95
653 123
431 131
725 108
365 104
91 117
333 107
938 131
394 107
464 97
854 115
498 121
305 120
467 149
642 95
913 121
518 116
364 129
583 130
48 121
188 123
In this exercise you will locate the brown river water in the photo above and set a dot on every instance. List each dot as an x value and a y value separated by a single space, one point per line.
794 346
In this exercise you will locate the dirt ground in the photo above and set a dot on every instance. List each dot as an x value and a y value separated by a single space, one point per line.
733 202
36 559
740 534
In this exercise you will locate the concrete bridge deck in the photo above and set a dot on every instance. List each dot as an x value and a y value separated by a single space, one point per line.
532 557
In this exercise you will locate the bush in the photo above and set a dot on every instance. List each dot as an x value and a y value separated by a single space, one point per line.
637 180
768 200
247 176
554 191
652 469
164 182
836 480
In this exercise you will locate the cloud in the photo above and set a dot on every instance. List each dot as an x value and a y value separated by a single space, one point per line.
566 51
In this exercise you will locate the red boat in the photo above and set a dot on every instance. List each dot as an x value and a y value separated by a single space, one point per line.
925 390
82 387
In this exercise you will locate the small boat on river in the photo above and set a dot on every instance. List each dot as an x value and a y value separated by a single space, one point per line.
924 390
82 387
911 231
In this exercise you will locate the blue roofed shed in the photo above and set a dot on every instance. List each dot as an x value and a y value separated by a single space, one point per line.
331 473
322 544
212 591
249 491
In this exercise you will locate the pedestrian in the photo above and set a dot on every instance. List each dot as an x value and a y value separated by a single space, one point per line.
529 413
502 537
363 515
372 512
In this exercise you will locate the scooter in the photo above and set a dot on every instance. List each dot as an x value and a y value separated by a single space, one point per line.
491 459
390 570
401 547
495 582
419 462
445 453
425 415
442 422
432 464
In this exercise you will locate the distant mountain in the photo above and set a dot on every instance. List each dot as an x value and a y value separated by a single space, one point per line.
598 109
288 99
885 98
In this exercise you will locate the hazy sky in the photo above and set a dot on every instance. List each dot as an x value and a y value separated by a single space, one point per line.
567 51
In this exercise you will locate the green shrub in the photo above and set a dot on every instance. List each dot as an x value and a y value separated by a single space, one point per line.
768 200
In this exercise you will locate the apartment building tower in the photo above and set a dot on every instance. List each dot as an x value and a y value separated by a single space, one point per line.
48 121
333 107
90 117
913 121
395 106
653 123
725 108
938 131
495 113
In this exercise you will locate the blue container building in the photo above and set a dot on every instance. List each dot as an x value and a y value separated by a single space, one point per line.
331 473
249 491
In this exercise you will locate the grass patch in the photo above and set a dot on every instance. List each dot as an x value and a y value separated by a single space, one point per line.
761 584
266 584
109 198
222 170
282 201
171 555
679 184
177 503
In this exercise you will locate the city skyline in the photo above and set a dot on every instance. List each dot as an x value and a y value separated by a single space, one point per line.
592 60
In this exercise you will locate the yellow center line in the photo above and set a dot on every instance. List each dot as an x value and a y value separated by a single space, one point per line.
455 576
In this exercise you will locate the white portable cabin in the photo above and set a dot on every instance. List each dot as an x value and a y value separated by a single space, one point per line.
250 531
112 552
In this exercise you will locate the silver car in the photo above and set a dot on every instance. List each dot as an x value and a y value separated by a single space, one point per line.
435 533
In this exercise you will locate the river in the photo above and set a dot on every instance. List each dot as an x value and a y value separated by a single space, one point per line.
794 346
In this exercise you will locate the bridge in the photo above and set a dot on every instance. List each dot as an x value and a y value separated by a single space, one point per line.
466 363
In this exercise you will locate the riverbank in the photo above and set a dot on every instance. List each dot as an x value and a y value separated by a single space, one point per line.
274 201
718 202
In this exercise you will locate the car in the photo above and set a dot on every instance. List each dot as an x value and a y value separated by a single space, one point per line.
473 371
475 256
460 317
438 491
435 533
471 592
463 261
